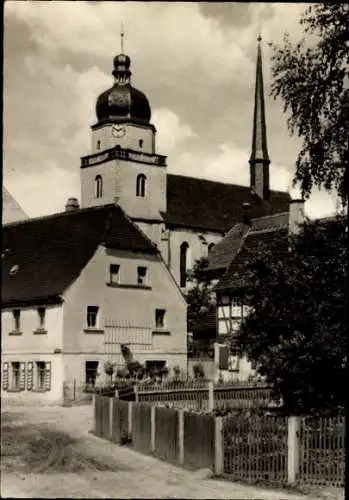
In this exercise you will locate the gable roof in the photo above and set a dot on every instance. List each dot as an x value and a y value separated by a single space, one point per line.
262 231
215 206
11 210
223 252
51 251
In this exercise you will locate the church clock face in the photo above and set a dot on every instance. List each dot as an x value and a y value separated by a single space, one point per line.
118 131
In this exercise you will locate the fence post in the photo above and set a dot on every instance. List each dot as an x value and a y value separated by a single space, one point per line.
94 412
130 407
136 393
210 396
152 428
111 408
219 447
293 424
181 436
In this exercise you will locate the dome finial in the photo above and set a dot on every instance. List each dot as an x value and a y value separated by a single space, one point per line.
259 38
122 34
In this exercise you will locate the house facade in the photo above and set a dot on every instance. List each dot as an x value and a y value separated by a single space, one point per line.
231 309
76 286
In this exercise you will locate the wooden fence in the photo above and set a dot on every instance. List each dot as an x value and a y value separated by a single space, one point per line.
322 451
244 446
198 395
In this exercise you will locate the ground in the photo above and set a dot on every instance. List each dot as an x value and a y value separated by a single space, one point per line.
48 452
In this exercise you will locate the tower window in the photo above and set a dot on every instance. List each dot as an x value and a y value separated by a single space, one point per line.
184 254
140 142
98 186
141 185
98 145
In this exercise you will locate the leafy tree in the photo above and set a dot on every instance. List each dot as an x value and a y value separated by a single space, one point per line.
312 79
200 297
296 331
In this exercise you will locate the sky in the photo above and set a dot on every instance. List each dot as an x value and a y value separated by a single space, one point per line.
194 61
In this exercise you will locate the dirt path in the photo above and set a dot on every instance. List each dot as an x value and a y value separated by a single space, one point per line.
109 471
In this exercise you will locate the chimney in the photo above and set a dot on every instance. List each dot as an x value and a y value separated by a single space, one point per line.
71 205
246 214
296 216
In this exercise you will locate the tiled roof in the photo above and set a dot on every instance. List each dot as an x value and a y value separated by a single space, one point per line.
51 251
223 252
234 276
203 204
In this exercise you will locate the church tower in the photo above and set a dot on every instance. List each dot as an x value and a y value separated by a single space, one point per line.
123 166
259 160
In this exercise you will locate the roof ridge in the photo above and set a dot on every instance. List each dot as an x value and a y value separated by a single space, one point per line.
58 214
277 214
138 229
268 229
221 182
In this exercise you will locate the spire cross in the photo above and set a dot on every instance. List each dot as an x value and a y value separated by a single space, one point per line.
122 38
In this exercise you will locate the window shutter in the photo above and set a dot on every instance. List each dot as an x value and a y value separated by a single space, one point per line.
22 377
48 376
5 376
30 376
223 357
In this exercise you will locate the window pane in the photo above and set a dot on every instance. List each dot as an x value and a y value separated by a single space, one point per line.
160 318
92 312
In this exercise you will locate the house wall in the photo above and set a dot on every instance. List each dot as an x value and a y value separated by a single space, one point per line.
126 314
197 248
29 347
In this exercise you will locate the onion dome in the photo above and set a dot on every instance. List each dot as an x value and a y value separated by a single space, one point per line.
122 101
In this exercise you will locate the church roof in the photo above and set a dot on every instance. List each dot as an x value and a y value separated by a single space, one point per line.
262 231
41 257
215 206
11 210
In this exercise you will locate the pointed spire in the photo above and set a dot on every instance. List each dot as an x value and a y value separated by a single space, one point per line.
259 160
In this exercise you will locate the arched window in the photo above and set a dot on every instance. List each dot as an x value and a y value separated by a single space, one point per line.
184 254
141 185
98 186
210 246
98 145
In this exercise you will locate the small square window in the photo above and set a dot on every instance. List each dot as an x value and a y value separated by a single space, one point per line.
160 318
16 320
41 314
92 316
114 275
141 275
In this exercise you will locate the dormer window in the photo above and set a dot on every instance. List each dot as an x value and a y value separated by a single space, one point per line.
98 186
141 186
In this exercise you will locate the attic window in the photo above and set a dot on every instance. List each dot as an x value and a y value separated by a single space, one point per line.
14 269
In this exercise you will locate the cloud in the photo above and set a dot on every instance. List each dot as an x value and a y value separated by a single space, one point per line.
195 62
171 132
46 192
